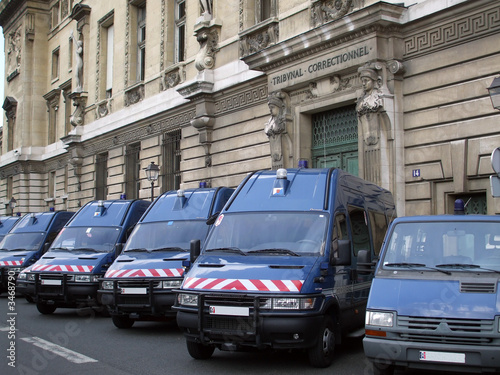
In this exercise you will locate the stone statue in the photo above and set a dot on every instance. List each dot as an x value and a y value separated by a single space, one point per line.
79 63
369 105
275 127
206 7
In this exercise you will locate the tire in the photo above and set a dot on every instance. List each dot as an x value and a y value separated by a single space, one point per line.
321 354
121 321
383 369
199 351
45 309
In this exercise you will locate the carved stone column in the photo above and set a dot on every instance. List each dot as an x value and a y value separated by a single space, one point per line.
200 91
207 32
10 108
79 101
276 129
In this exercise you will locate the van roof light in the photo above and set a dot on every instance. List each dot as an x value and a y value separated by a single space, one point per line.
100 204
180 193
281 174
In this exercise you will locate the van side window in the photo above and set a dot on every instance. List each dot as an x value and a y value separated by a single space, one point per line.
340 229
359 228
378 226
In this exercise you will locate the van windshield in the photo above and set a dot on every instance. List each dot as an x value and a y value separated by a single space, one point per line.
22 241
172 235
448 245
266 233
86 239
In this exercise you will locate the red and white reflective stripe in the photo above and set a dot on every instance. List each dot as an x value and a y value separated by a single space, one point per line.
61 268
151 272
11 263
243 284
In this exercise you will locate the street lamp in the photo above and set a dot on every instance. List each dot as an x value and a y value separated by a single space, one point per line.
152 171
494 91
12 204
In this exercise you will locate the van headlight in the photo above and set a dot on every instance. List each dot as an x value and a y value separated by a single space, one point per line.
171 284
107 284
379 318
22 276
283 303
185 299
86 278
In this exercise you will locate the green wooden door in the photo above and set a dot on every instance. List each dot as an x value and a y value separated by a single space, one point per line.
335 139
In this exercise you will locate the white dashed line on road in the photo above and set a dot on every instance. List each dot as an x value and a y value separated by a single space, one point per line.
70 355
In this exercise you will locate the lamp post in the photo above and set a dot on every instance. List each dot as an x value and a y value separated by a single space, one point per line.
12 204
494 91
152 171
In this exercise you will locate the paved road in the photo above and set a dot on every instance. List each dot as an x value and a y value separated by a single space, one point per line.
76 342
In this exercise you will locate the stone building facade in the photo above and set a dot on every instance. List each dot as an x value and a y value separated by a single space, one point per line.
210 90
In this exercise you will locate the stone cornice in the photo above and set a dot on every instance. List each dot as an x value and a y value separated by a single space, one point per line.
379 17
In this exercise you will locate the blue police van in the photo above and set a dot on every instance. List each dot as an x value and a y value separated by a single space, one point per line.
6 224
434 302
279 267
25 241
68 273
139 284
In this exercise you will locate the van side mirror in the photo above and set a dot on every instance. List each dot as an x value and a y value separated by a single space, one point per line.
364 262
118 249
340 254
212 218
194 250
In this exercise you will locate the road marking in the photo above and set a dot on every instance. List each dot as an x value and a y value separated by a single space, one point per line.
70 355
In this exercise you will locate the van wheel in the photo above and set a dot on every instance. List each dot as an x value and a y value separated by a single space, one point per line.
199 351
45 309
121 321
321 354
383 369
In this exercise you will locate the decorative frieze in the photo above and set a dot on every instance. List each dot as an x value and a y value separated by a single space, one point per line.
458 31
134 94
259 37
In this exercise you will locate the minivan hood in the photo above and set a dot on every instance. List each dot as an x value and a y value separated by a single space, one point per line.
15 258
436 298
257 273
71 262
144 264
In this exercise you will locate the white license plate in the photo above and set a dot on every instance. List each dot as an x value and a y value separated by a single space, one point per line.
134 291
51 282
229 310
446 357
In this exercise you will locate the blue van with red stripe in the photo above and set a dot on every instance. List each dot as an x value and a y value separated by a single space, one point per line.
67 275
279 267
25 239
139 284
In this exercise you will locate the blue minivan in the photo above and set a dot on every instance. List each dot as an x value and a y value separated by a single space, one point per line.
26 241
278 269
139 284
434 302
68 273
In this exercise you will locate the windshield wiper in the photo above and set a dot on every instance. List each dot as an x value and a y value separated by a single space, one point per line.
60 249
138 250
465 266
276 251
415 265
170 249
229 249
87 249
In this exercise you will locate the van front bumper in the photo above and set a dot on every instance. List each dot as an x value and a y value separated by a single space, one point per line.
155 304
433 356
258 330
